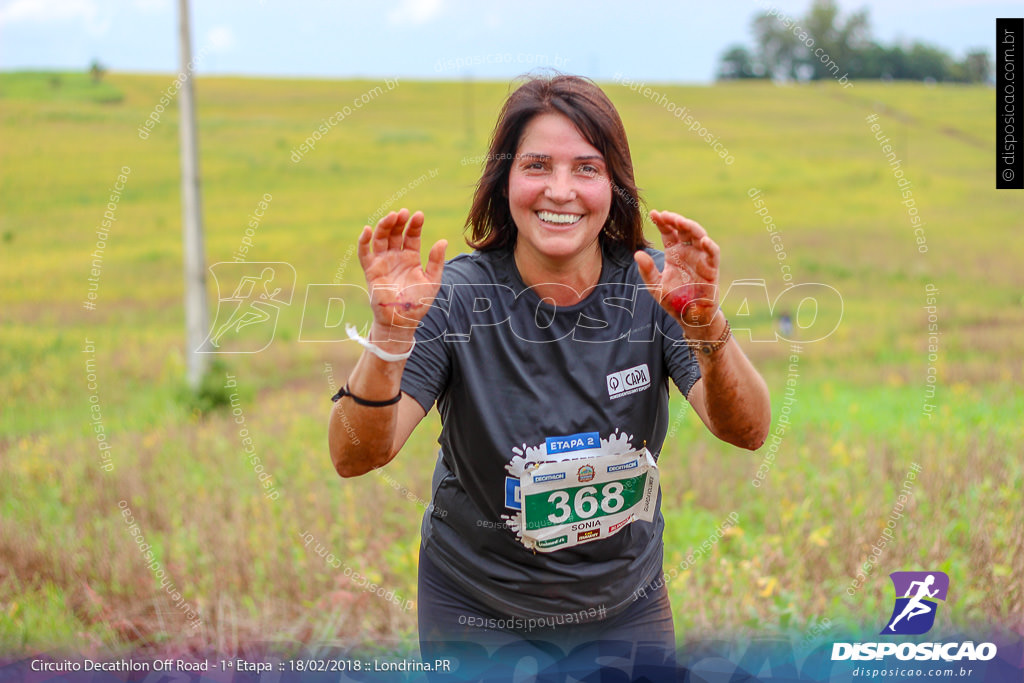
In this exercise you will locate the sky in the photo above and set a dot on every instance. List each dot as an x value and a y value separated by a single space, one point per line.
677 42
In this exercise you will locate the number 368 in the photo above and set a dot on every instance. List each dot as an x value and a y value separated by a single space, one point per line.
586 502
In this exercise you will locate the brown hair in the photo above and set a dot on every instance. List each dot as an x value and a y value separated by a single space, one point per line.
585 104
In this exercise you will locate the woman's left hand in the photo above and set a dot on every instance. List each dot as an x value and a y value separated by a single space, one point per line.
688 286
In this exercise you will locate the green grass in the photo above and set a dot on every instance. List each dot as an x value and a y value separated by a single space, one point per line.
65 87
72 577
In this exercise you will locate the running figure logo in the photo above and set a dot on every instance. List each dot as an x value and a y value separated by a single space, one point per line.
255 302
916 596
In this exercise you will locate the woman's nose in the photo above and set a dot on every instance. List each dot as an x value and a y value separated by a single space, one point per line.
560 188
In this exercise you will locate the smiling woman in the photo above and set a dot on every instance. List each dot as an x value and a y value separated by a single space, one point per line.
552 424
559 199
594 129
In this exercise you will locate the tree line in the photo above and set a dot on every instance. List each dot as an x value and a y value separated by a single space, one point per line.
824 45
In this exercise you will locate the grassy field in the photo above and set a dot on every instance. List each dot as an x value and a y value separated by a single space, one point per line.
71 573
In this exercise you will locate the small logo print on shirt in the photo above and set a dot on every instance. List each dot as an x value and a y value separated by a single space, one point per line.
629 381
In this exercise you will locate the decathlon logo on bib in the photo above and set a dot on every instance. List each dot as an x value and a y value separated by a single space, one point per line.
628 381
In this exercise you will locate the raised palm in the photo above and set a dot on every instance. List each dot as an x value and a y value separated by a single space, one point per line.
687 288
401 289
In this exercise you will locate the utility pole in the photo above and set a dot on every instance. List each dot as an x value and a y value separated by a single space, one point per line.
196 313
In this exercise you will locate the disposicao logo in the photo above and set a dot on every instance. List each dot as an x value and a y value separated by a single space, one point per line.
917 594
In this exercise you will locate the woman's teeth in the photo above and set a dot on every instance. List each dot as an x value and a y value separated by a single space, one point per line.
559 218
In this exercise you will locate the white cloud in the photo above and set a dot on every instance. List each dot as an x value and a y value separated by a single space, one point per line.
152 5
84 12
47 11
220 39
414 12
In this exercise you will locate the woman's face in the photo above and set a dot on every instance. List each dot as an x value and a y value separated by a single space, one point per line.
559 192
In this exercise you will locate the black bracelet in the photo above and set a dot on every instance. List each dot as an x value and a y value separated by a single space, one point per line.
365 402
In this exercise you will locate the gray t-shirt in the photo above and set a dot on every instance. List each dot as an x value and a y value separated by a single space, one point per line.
507 371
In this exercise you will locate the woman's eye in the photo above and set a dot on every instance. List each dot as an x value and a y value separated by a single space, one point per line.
588 170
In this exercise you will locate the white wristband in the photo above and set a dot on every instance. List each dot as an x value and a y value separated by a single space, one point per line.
353 334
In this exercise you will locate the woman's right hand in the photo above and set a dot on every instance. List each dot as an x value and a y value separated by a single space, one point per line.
401 291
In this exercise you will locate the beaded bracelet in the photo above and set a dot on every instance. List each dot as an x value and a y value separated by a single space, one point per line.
708 347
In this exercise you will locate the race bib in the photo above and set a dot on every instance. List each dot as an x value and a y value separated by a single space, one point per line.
570 502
